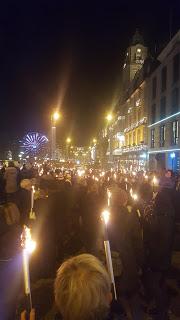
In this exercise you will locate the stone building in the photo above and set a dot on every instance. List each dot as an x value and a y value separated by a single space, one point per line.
134 104
164 109
135 56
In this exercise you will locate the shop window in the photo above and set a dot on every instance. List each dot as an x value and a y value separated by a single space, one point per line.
152 138
175 132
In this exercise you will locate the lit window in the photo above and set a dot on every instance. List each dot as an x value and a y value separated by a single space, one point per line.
152 138
162 130
138 102
127 54
175 132
124 66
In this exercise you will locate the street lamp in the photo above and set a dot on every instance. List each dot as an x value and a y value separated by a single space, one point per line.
68 140
172 155
109 117
54 118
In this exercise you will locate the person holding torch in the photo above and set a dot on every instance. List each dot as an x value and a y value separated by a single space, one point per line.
105 217
124 235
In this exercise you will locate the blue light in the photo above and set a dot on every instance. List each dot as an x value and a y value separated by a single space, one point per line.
169 117
163 150
172 155
143 155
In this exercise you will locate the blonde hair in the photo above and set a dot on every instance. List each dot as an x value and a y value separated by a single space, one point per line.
81 287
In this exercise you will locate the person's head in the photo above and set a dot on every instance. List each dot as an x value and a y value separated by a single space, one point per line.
119 197
168 173
82 289
93 187
10 164
145 192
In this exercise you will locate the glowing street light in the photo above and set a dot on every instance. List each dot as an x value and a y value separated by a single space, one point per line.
54 118
109 117
68 140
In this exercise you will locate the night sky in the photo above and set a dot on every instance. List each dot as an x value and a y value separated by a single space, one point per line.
69 54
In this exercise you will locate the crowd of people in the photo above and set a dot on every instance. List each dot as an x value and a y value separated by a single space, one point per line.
67 226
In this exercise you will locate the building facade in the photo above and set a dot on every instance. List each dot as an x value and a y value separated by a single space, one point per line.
164 109
134 105
134 152
135 56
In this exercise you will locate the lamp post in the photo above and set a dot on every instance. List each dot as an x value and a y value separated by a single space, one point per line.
68 142
172 155
109 119
54 118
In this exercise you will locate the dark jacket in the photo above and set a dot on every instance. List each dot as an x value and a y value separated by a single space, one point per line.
125 238
158 232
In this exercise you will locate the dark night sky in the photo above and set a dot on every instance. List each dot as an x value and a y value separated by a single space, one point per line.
69 49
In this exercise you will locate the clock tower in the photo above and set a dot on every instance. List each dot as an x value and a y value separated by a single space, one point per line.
135 56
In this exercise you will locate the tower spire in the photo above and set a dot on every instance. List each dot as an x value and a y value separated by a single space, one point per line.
137 38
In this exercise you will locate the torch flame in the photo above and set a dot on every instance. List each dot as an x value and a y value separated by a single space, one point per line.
26 240
106 216
155 180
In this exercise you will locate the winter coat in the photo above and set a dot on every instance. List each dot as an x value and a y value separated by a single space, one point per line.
11 176
125 237
158 232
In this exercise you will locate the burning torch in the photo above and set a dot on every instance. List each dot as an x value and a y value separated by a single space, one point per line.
105 218
28 246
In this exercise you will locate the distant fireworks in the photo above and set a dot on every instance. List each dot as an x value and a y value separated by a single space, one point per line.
33 143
